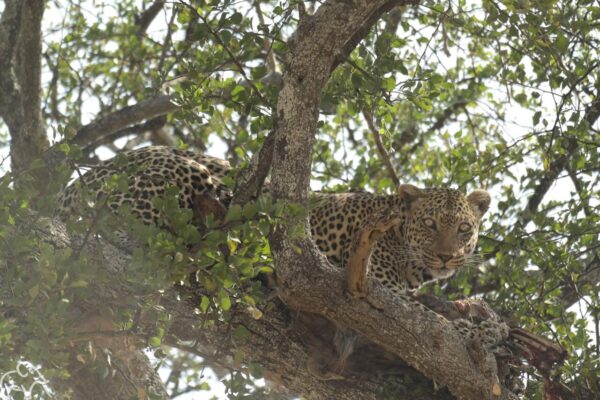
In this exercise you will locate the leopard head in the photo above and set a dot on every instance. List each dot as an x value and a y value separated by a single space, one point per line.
442 227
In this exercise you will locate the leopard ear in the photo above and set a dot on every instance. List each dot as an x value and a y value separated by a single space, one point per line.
480 201
410 193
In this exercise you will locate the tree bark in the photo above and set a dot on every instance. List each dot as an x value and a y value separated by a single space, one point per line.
306 281
144 110
20 87
293 347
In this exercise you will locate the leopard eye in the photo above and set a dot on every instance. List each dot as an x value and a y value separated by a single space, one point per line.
428 222
464 227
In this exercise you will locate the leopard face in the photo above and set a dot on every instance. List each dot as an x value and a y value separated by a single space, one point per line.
442 228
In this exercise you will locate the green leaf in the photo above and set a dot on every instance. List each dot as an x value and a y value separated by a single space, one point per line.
256 370
240 332
234 213
204 303
80 283
250 210
224 300
34 291
65 148
562 43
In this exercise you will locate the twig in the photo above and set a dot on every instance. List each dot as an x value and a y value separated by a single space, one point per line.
382 151
233 58
250 180
267 44
166 41
563 101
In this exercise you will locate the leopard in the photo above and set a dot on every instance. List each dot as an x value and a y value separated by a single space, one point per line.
150 171
436 235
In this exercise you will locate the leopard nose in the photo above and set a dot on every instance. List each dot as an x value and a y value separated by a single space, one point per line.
445 257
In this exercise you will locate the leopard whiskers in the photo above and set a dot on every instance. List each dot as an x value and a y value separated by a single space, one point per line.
473 261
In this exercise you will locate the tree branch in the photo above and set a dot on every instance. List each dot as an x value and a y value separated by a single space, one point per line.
592 114
112 125
107 125
306 281
20 87
144 20
252 178
290 345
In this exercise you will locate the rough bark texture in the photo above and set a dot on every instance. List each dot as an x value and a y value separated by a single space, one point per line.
20 75
321 42
294 346
307 282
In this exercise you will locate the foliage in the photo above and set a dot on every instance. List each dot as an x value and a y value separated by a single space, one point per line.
496 94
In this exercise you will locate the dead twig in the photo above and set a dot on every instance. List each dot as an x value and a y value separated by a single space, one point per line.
380 148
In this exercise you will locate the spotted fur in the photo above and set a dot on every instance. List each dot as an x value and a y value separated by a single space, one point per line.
152 170
436 235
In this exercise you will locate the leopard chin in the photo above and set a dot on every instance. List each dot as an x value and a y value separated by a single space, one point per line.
442 273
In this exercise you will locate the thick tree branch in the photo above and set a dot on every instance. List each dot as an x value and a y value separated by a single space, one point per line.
112 125
20 77
321 42
291 346
307 282
428 343
144 20
105 126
